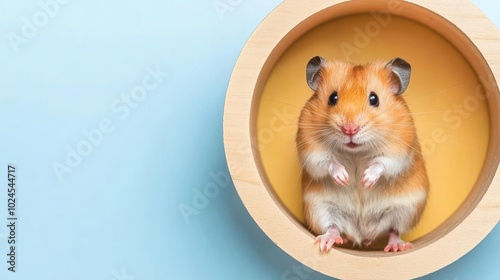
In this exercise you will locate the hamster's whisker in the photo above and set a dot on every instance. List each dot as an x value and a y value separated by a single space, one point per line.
390 112
389 136
289 104
320 137
300 84
445 90
423 113
317 108
311 125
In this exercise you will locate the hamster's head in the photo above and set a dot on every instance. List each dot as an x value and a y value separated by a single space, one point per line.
357 108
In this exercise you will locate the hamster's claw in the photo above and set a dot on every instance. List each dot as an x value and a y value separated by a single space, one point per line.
396 244
367 243
398 247
339 174
327 240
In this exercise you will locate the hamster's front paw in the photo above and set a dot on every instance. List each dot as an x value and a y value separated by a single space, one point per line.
338 173
372 174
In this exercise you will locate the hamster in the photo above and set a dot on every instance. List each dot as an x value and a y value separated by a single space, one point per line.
364 176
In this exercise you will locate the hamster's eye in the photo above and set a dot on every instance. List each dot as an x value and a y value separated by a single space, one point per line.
334 99
374 99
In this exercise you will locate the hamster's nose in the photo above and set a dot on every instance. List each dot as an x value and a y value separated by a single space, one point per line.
350 129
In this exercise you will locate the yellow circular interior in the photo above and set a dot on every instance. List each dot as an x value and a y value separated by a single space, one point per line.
444 96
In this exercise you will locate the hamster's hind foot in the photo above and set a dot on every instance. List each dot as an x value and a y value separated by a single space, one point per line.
396 244
330 238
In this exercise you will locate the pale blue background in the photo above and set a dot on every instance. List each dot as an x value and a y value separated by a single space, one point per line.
116 215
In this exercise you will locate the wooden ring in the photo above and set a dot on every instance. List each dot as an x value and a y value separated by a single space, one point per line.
464 26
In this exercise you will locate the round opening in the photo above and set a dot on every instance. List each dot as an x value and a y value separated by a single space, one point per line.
453 97
445 97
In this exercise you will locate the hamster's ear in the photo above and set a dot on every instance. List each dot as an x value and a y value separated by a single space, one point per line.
312 71
402 72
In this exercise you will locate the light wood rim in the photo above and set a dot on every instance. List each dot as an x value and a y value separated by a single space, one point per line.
460 234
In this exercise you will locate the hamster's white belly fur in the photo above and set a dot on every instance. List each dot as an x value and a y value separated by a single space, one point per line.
361 214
